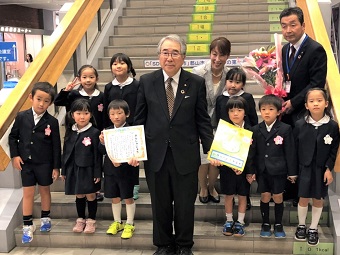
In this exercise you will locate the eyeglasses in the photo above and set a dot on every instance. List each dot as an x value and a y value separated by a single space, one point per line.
174 54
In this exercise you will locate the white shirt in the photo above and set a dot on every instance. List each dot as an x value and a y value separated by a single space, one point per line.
175 81
37 117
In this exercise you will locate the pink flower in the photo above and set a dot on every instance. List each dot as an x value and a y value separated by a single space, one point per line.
278 140
87 141
48 130
100 107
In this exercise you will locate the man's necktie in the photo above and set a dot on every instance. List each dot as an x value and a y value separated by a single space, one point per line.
291 56
170 98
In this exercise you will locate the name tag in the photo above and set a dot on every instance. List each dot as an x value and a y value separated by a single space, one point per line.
287 86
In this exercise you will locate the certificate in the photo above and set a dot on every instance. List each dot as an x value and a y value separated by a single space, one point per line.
125 143
231 145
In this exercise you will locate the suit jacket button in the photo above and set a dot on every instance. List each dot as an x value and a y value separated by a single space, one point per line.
31 142
266 156
33 131
267 144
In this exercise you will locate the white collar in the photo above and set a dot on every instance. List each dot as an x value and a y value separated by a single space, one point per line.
242 126
75 127
325 119
225 93
175 77
120 126
298 44
35 115
269 128
95 93
128 81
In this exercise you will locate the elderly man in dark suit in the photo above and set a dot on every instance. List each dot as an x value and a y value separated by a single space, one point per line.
171 104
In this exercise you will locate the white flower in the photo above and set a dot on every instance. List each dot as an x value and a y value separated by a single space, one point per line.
328 139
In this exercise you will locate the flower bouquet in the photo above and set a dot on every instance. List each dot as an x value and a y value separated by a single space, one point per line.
265 66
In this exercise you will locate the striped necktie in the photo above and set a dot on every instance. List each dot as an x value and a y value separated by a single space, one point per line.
170 98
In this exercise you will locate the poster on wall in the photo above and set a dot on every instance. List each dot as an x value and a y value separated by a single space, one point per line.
8 52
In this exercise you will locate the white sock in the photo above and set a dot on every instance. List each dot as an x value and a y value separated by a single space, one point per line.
316 214
302 214
117 211
229 216
130 213
240 218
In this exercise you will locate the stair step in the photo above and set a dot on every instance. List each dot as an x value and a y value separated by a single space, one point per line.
142 3
207 237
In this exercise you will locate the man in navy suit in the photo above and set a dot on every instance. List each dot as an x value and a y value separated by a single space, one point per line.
305 69
304 63
175 123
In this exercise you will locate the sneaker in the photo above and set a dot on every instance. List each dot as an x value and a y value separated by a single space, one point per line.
278 231
80 225
228 228
313 237
45 225
239 229
90 227
136 192
128 231
27 233
265 230
115 227
99 197
301 233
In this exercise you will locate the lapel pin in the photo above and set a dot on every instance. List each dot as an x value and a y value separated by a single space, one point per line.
182 91
185 85
299 56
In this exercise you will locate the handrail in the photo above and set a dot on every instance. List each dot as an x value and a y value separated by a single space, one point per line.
49 64
315 28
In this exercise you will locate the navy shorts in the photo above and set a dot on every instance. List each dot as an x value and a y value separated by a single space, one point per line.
232 184
32 174
274 184
118 187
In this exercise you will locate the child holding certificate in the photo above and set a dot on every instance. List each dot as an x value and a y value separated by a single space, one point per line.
119 177
273 156
232 180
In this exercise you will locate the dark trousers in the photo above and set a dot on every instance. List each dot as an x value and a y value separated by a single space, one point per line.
173 200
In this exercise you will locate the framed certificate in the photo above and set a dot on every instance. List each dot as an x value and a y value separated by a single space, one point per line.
231 145
125 143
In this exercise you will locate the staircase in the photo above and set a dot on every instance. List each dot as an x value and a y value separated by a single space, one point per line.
248 24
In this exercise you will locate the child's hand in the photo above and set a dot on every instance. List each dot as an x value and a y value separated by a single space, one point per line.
96 180
63 177
16 162
101 138
72 84
328 177
292 179
215 162
236 171
250 178
133 162
55 174
115 164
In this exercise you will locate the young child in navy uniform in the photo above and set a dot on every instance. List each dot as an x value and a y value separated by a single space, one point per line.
273 156
119 177
35 150
317 139
82 165
232 181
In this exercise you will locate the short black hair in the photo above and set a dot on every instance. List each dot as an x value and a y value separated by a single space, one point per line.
125 58
293 11
118 104
222 44
237 102
45 87
236 74
81 104
271 100
325 96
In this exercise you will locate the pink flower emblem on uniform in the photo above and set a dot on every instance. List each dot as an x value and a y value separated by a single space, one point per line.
48 130
278 140
328 139
100 107
87 141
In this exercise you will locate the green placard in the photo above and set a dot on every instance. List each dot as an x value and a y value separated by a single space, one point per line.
276 1
197 49
205 1
320 249
205 8
199 38
203 17
275 28
200 27
277 7
274 17
294 219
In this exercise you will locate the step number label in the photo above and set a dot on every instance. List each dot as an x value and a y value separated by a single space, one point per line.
277 7
274 17
205 1
207 17
199 38
197 49
276 1
205 8
320 249
200 27
275 28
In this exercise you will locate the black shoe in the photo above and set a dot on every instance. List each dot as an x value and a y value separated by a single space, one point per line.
184 251
99 196
300 233
165 250
203 200
214 199
313 237
248 203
